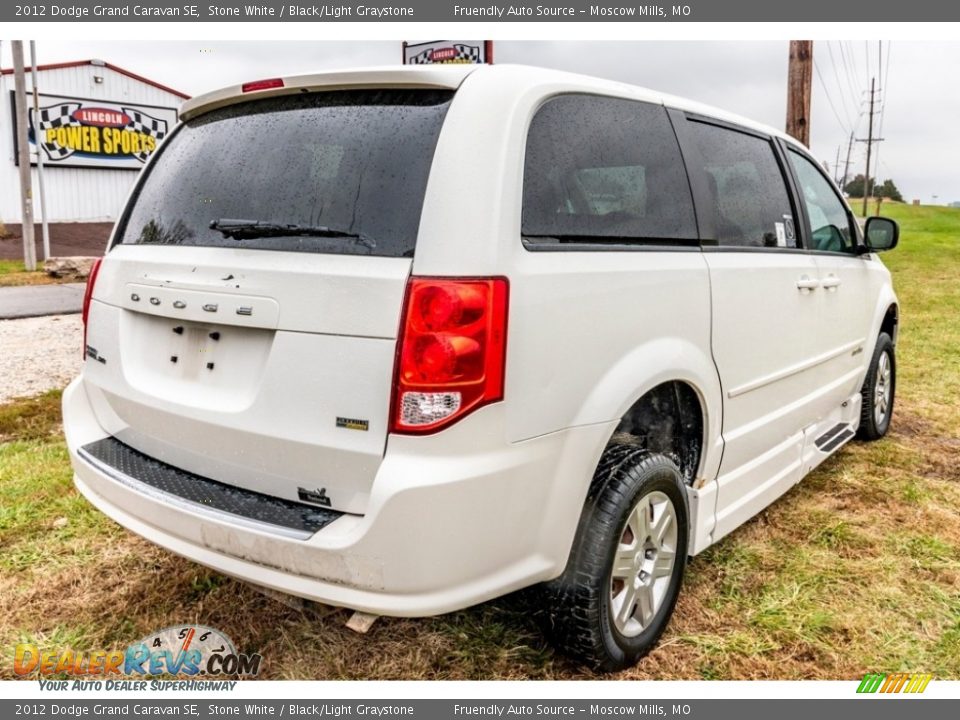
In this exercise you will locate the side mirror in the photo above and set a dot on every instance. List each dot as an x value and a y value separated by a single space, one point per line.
881 234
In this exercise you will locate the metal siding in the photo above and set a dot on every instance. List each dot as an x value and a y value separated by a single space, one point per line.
73 194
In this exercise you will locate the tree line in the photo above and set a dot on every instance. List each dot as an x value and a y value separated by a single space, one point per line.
887 189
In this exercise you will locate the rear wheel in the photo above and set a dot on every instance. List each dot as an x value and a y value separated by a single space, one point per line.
617 594
879 391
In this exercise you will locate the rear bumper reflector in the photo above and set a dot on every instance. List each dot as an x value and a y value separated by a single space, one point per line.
202 495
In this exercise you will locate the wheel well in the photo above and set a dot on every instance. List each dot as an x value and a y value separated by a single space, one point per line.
668 419
891 322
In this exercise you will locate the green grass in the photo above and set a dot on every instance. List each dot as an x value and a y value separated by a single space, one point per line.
856 569
13 272
35 418
926 270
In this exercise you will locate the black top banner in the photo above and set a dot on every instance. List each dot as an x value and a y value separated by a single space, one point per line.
478 11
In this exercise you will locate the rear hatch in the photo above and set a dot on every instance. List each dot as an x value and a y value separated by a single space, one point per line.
243 325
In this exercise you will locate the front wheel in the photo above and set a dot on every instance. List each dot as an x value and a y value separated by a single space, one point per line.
616 596
879 391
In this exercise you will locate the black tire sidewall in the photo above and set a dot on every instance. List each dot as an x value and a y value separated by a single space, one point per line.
870 429
888 350
662 475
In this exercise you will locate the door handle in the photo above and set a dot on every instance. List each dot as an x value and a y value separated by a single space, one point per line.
807 283
831 282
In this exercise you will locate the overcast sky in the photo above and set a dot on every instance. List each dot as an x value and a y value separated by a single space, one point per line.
921 151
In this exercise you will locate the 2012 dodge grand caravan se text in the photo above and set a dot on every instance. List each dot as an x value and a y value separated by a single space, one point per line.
406 340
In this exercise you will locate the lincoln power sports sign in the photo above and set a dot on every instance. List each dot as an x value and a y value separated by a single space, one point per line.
76 132
448 52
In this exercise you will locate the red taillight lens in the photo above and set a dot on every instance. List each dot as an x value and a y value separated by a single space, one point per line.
87 295
262 85
451 352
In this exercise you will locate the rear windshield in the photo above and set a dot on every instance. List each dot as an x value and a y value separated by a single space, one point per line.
346 171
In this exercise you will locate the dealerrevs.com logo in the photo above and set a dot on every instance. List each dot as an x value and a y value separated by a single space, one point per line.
189 650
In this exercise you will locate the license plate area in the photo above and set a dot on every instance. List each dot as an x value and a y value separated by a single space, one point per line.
199 364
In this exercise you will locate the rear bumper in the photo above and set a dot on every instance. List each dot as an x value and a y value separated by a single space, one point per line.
454 519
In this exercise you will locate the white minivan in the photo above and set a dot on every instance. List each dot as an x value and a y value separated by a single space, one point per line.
405 340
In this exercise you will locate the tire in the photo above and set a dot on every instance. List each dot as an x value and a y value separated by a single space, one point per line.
585 607
879 391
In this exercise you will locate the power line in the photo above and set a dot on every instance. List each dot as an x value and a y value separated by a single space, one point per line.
853 82
853 64
869 140
888 168
866 54
884 83
846 165
826 91
846 68
836 76
883 92
853 79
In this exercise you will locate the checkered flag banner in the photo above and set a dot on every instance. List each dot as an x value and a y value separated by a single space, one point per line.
61 115
462 54
145 125
52 117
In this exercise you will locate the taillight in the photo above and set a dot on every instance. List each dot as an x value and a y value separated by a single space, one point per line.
261 85
87 295
451 352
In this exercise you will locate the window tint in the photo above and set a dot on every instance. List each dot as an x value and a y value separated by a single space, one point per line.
749 199
605 170
829 221
353 162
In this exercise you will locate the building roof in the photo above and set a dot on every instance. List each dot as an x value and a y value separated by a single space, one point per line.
101 63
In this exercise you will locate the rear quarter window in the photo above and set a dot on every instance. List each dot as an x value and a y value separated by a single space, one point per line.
748 195
355 162
603 170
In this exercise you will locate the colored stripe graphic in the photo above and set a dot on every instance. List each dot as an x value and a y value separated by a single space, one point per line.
870 683
919 683
894 683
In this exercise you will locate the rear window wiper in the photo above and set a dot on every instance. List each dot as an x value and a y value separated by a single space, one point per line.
248 229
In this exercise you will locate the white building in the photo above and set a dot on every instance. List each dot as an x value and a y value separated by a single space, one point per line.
98 124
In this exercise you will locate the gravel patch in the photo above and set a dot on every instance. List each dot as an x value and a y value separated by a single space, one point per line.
39 354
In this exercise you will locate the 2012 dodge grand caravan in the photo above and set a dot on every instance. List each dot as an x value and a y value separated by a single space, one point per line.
406 340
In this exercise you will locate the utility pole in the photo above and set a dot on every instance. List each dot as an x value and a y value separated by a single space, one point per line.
799 82
38 142
23 157
846 165
836 167
866 176
869 140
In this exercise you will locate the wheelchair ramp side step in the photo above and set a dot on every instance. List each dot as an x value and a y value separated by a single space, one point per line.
834 438
829 435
